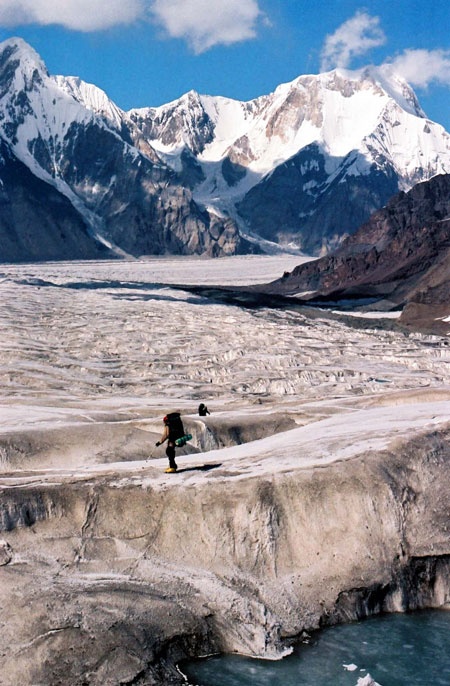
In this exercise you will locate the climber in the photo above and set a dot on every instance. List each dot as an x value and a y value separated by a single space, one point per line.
173 430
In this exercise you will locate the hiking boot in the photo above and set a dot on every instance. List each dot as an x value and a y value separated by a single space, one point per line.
170 470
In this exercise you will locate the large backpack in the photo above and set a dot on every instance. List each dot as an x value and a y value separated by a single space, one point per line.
176 428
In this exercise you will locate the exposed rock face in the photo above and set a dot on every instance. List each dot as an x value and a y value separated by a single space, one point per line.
36 221
400 256
6 553
143 208
114 578
427 308
168 124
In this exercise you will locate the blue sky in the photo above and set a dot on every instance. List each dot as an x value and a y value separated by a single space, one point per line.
149 52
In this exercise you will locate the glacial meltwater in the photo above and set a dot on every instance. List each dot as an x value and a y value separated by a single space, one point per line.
390 650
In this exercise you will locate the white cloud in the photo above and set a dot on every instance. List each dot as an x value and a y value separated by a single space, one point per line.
423 67
205 23
354 37
79 15
202 23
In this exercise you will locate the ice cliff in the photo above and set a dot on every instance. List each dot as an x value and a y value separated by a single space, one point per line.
112 573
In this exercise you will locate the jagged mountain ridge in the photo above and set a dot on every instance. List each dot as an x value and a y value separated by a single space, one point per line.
70 136
399 258
304 166
311 161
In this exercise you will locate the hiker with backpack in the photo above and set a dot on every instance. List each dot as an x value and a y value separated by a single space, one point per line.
173 433
203 410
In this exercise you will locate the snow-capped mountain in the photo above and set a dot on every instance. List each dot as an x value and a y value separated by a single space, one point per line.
72 137
311 161
304 166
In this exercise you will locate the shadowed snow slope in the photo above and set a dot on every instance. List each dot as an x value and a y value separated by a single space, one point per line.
315 492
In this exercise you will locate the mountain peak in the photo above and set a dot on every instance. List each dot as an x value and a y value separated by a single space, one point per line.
383 80
18 50
191 96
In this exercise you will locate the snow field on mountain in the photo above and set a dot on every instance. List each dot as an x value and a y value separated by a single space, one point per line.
342 131
346 122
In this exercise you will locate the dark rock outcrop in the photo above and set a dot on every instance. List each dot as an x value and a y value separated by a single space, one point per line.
6 553
400 256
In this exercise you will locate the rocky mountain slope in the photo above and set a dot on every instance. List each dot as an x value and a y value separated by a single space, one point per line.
128 199
36 221
308 163
401 256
